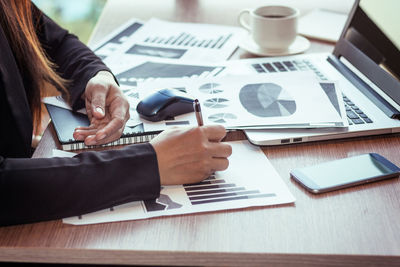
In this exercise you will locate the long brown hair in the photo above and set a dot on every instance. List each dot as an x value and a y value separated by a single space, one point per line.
16 19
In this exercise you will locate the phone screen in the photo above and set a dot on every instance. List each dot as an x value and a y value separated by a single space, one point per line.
341 172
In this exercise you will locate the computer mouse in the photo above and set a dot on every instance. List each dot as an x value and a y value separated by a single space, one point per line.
164 104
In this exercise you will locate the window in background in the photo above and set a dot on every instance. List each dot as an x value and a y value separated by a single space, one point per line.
77 16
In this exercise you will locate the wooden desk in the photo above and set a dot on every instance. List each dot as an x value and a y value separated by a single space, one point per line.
353 227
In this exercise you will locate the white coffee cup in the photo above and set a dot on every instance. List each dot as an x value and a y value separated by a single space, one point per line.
273 28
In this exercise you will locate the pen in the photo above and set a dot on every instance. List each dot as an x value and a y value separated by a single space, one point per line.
197 111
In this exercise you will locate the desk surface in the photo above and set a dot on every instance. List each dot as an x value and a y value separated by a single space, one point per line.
351 227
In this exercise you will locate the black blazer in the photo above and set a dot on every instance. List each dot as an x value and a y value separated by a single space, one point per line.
52 188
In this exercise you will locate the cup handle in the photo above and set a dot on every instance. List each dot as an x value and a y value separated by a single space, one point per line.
241 19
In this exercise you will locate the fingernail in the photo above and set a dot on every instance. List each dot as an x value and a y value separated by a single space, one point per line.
100 110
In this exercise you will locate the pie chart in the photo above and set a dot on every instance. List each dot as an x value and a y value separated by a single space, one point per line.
216 103
210 88
267 100
222 117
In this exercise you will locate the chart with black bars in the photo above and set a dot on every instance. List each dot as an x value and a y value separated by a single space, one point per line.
213 190
152 70
113 44
185 39
287 66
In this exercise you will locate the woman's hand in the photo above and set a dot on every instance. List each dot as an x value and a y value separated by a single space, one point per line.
189 155
107 109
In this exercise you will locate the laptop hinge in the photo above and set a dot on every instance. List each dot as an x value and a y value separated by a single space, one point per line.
378 100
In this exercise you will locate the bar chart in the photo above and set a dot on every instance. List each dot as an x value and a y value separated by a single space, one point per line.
152 70
185 39
217 190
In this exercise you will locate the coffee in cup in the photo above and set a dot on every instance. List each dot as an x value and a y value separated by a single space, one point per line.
273 28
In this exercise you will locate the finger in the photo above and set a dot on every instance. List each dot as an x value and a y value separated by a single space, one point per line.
92 139
219 164
80 134
220 150
119 108
98 100
90 127
108 139
214 133
116 125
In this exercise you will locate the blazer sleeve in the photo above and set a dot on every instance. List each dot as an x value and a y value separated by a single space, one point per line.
41 189
74 60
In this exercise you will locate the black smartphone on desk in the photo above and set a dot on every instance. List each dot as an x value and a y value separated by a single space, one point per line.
342 173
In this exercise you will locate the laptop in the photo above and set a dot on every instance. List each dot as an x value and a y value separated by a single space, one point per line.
365 64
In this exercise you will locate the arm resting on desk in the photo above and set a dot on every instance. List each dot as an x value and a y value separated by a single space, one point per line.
41 189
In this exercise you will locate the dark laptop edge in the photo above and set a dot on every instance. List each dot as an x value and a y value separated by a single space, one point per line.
366 65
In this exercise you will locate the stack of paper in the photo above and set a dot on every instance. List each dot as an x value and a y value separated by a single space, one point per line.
281 100
162 49
157 54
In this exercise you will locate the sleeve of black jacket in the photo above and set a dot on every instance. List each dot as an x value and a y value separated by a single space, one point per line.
74 60
45 189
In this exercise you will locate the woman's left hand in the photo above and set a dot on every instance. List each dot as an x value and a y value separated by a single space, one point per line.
107 109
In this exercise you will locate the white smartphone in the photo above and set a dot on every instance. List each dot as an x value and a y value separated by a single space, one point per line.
342 173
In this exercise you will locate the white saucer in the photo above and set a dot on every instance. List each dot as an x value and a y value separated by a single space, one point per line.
300 45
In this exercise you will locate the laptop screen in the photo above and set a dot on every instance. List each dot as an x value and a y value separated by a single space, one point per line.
371 42
384 32
373 29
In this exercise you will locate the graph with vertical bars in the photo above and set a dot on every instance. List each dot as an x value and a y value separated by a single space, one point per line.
216 190
250 181
186 39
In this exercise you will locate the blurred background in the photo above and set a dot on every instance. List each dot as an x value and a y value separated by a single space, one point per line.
77 16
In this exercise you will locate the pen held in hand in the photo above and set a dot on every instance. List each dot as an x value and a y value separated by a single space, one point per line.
197 111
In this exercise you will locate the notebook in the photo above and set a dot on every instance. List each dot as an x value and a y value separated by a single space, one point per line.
65 121
364 64
322 24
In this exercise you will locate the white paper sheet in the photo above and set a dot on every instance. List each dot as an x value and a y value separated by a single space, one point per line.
249 181
281 100
163 49
113 41
185 41
131 69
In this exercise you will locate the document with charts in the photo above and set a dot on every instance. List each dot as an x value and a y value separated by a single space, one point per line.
282 100
163 49
113 41
184 41
250 181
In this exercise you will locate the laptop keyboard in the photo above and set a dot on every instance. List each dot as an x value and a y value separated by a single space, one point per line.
354 114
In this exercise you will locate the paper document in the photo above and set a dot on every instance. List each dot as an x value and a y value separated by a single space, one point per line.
113 41
249 181
280 100
163 49
139 51
184 41
131 70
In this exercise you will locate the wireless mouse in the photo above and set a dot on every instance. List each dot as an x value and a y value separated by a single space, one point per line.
164 104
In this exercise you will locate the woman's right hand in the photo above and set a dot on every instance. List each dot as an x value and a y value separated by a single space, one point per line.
189 155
